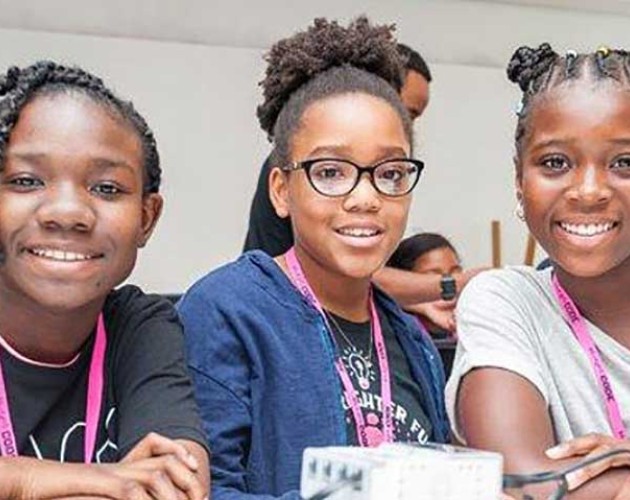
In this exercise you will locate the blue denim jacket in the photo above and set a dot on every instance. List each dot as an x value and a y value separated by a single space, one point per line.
262 366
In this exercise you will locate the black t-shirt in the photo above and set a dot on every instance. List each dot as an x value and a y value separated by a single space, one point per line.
146 387
267 231
358 353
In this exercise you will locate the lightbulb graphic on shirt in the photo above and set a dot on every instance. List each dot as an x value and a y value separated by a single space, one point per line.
361 369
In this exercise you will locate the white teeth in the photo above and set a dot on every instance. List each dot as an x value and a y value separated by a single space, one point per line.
59 255
587 229
358 232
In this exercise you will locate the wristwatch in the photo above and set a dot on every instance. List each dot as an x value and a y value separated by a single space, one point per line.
448 287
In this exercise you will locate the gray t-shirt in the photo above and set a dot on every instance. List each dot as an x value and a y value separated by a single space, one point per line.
511 319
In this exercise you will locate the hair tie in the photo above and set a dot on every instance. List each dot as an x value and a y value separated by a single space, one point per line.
603 51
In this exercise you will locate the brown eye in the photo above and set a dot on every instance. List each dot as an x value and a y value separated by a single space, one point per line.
621 164
25 183
555 163
106 189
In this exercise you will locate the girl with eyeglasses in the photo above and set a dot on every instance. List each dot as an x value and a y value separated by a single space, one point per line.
544 356
302 350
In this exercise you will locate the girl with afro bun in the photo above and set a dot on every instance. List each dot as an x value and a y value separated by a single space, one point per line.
301 350
541 370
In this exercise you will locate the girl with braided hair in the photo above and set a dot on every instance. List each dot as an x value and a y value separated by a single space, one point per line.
544 356
301 350
87 373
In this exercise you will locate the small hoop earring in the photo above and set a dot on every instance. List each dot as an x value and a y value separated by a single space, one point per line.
519 210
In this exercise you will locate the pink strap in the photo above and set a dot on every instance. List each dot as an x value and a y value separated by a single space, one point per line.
8 445
95 389
299 280
574 318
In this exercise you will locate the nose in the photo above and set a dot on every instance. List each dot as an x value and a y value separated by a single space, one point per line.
66 208
590 186
364 197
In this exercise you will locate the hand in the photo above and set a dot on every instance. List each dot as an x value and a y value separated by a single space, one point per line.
164 466
25 477
441 313
589 446
624 492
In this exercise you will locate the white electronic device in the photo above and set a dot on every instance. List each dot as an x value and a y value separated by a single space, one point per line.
401 472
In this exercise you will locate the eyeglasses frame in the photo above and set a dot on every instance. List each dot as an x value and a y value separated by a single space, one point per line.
306 165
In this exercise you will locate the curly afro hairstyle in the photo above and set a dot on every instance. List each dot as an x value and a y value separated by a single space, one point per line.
19 86
537 71
324 60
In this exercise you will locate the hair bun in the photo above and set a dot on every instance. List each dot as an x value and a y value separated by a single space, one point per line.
527 64
10 79
295 60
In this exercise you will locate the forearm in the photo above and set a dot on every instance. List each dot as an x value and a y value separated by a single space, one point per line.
407 287
603 487
30 478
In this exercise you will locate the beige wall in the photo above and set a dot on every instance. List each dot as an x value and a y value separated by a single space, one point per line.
201 100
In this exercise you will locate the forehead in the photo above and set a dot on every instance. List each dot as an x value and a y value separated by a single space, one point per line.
356 121
580 108
442 257
72 124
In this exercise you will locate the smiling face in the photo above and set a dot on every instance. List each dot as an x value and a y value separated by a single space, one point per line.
351 235
573 175
72 210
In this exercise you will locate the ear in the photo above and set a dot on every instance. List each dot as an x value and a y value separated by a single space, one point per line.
279 192
152 204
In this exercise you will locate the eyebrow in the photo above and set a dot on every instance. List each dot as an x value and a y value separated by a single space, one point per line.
98 163
345 151
622 141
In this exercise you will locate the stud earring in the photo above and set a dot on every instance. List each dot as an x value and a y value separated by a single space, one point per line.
519 211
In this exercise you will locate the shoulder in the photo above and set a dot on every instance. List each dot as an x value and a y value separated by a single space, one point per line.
130 305
135 320
131 300
252 281
516 285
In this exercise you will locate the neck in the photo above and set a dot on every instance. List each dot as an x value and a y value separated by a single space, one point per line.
52 337
342 295
603 300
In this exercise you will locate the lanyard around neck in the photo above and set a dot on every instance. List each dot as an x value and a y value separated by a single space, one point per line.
298 278
8 444
576 322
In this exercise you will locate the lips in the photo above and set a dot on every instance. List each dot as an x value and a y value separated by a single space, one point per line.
62 255
359 232
587 230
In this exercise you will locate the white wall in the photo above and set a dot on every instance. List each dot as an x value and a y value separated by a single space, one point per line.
201 99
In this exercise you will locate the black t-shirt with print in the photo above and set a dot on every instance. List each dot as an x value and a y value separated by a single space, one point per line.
146 387
358 353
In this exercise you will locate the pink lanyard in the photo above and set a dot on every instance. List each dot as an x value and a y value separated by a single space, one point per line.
8 446
576 321
299 280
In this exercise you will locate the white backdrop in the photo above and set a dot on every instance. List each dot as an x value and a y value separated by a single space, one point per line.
200 100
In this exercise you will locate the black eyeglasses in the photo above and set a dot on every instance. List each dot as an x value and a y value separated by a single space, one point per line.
338 177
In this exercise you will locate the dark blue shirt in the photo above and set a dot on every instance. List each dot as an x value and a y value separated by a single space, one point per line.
262 366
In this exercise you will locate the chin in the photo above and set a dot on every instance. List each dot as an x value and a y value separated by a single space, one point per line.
585 267
360 269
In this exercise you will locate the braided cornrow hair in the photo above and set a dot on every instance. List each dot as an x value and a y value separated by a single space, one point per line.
537 71
19 86
324 60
